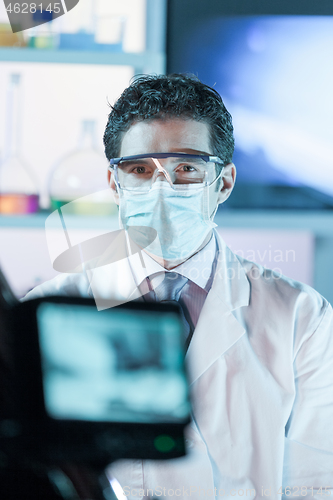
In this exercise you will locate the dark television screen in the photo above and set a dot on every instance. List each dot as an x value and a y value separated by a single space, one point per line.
275 75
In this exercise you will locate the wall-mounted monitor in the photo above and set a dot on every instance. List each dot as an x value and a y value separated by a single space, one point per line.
274 72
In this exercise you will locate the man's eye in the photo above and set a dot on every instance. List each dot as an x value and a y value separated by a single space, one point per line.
139 170
132 167
187 168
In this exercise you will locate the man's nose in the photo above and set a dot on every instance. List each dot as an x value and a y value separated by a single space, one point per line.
160 176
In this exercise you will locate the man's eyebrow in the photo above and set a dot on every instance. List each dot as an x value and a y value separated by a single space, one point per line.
193 152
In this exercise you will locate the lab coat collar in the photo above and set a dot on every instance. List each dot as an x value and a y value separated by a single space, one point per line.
230 282
218 329
114 284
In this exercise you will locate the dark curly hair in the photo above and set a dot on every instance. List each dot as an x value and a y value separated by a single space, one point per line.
154 97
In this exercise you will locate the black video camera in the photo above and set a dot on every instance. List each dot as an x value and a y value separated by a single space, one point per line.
89 386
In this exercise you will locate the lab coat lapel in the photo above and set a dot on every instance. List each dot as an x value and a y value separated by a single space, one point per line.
218 329
113 284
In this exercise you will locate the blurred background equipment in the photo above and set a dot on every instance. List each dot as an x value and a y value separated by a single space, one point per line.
65 80
8 38
82 173
18 188
273 72
271 63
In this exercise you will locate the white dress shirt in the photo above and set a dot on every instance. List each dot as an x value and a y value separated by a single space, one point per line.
199 269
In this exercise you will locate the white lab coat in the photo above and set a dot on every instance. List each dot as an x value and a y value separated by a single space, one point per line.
260 366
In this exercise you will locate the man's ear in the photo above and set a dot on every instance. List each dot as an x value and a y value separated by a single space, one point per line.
228 178
113 187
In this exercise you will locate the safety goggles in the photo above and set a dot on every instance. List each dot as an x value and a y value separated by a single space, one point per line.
139 172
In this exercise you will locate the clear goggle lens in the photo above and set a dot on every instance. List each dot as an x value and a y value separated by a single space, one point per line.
140 172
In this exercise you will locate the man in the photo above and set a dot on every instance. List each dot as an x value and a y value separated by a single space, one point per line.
260 346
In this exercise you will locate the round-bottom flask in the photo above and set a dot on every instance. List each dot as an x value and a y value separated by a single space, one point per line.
81 178
18 189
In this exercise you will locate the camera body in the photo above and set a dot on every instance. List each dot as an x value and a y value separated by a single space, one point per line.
91 386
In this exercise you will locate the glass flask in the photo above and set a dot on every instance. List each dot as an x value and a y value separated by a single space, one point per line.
10 39
18 188
79 34
43 37
82 173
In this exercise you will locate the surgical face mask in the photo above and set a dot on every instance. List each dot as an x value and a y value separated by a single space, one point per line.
180 216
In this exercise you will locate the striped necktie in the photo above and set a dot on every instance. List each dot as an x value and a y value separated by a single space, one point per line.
170 291
171 287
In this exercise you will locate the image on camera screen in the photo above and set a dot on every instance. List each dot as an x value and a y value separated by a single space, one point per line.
116 365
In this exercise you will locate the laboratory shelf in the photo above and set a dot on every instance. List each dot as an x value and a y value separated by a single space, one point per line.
38 221
319 223
139 61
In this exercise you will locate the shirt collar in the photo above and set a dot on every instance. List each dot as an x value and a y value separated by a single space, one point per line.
197 268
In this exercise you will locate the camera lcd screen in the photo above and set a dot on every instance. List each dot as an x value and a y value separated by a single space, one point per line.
115 365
